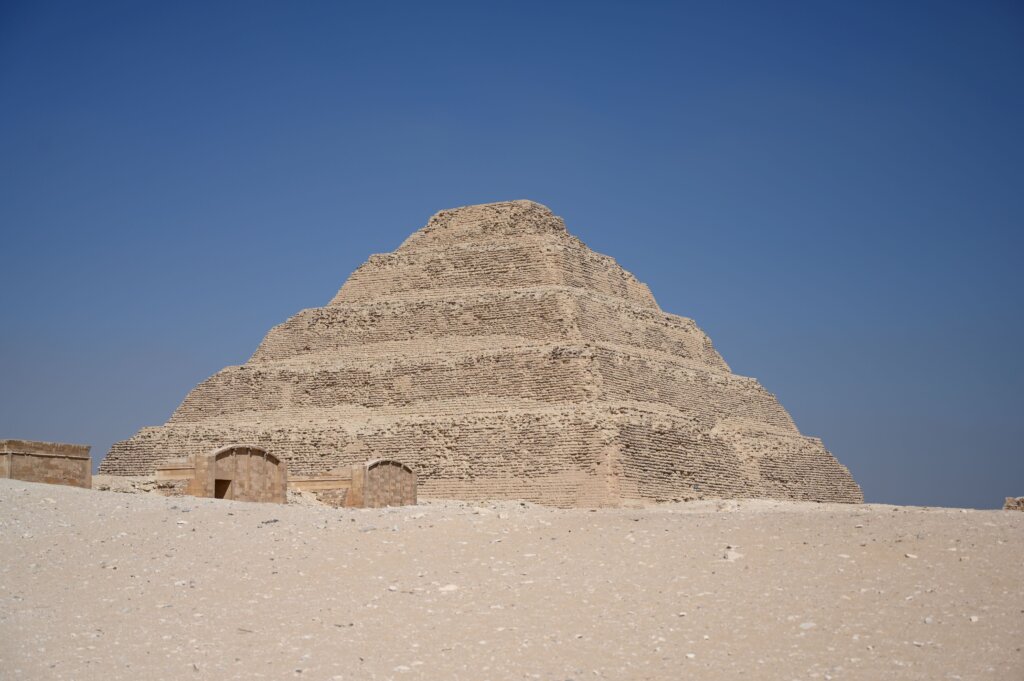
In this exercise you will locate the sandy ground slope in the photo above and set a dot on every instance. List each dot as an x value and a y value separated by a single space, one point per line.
101 585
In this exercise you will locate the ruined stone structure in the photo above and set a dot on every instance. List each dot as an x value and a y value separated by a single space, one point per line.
250 473
1014 504
375 484
55 463
237 472
499 357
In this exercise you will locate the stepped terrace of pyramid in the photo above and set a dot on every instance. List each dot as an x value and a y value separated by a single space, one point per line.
500 358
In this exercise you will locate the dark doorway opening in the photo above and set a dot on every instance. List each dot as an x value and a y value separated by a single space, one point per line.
221 488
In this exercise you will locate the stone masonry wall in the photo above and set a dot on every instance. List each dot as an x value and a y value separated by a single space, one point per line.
54 463
500 358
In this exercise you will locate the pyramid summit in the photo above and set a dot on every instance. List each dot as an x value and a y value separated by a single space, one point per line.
501 358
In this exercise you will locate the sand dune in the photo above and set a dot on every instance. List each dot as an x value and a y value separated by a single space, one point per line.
101 585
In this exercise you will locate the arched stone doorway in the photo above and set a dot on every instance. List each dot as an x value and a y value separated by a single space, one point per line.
383 482
242 473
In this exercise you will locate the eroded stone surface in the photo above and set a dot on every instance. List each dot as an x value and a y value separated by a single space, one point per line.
499 357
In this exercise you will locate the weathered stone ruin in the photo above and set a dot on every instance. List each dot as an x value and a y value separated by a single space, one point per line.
374 484
500 358
1014 504
236 472
250 473
55 463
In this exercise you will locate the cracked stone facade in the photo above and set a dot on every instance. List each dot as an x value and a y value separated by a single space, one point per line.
500 358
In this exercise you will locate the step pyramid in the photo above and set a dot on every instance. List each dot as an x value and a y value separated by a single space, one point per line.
500 358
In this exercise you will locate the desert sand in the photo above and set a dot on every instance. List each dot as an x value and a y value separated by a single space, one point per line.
107 585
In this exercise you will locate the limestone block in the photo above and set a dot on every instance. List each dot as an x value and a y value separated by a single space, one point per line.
54 463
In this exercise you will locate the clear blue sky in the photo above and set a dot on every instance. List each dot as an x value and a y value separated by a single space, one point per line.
833 190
